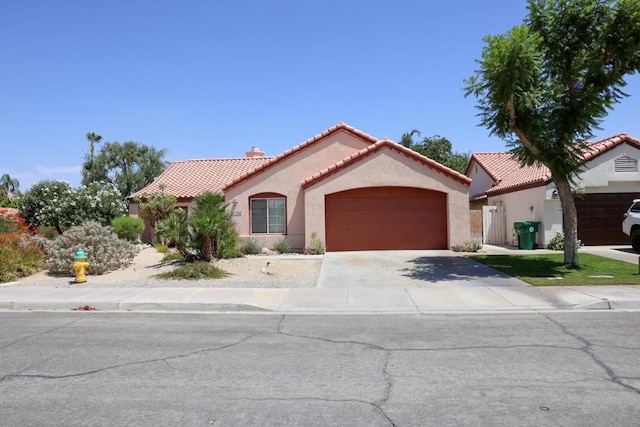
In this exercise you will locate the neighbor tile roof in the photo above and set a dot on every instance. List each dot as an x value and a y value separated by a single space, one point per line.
189 178
497 165
385 143
601 146
508 175
290 152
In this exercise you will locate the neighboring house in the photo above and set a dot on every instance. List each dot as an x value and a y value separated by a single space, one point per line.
604 191
346 188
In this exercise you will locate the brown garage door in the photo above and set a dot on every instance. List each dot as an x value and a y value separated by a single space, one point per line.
600 217
379 218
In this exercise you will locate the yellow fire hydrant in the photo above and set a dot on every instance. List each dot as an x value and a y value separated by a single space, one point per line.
80 265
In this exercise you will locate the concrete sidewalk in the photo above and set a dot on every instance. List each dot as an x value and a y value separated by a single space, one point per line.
409 300
399 282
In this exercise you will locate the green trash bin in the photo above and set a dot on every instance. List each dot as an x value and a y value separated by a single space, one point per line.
526 231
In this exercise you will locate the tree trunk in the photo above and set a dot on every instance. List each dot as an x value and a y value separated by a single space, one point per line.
206 248
569 224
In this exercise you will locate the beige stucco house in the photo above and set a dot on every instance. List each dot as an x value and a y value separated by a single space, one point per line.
508 193
346 188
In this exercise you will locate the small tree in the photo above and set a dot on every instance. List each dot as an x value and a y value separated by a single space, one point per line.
155 207
545 85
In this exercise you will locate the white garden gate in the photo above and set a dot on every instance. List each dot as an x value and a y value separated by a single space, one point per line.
494 225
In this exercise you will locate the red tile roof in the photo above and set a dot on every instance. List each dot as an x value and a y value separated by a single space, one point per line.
290 152
497 165
385 143
604 145
508 175
189 178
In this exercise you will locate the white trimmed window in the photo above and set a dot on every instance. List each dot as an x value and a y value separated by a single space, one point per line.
268 215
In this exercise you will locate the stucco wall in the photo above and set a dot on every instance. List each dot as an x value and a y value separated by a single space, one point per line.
552 219
286 178
481 180
601 177
524 205
389 168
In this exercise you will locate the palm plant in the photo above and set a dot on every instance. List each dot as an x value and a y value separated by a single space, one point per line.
174 228
407 138
8 185
212 227
93 139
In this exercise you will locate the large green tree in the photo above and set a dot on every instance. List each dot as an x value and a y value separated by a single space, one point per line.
436 148
130 166
545 85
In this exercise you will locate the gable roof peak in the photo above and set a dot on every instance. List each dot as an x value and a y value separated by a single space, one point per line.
388 144
339 127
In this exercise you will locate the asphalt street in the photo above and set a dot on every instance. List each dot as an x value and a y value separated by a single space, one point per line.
91 368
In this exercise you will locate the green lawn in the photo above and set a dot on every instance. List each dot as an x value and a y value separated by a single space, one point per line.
549 269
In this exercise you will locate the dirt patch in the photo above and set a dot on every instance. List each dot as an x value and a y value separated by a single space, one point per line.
253 271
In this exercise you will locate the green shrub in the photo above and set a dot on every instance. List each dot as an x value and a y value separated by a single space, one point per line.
163 249
20 253
194 271
174 230
172 256
251 246
316 247
127 227
468 246
19 257
105 251
48 232
282 246
557 242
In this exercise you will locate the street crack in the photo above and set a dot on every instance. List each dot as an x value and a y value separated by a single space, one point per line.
422 349
165 360
47 331
587 348
317 399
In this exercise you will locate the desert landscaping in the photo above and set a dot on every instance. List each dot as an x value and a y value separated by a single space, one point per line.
251 271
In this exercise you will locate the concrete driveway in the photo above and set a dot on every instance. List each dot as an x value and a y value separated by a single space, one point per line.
408 268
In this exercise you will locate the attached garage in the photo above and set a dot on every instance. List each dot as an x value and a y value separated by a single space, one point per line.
386 218
600 217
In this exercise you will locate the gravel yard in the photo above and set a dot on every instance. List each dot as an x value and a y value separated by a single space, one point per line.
282 271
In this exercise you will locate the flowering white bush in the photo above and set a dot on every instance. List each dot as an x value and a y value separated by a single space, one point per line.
105 252
57 204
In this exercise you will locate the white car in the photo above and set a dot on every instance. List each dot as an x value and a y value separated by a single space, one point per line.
631 224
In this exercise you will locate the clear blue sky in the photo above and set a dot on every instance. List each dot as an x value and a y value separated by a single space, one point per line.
211 78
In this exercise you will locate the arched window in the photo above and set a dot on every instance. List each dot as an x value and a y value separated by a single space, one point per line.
268 213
